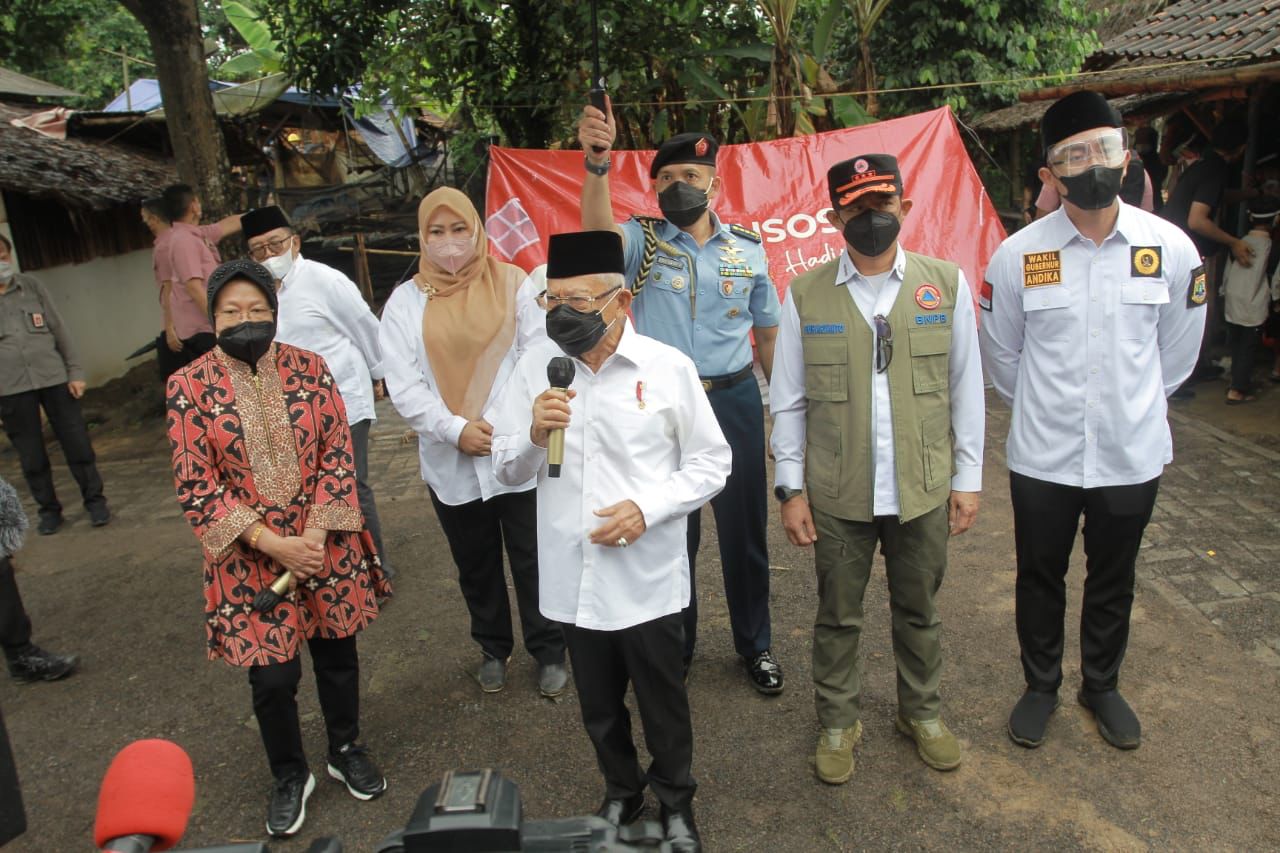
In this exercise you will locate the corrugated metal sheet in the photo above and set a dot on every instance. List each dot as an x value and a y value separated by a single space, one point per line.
1200 29
13 83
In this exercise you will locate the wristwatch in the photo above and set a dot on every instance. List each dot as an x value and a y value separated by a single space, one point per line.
783 494
601 170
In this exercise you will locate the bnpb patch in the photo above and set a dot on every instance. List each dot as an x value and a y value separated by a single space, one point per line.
700 147
984 295
1041 268
928 297
1199 290
1144 261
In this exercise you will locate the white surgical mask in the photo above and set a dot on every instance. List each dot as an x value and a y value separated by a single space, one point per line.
280 265
6 270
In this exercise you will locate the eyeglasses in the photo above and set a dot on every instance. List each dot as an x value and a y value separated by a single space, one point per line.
578 303
884 343
235 315
270 249
1106 149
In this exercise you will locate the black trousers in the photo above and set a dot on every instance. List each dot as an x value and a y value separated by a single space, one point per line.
742 517
1243 342
648 656
1045 519
477 532
15 625
364 492
336 665
21 416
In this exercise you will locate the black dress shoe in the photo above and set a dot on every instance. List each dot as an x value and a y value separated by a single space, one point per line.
680 831
288 806
1030 717
765 673
621 812
99 515
36 664
1116 721
49 524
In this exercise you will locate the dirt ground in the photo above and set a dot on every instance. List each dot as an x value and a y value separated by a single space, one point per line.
127 599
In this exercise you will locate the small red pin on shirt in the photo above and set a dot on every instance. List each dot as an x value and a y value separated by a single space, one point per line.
640 394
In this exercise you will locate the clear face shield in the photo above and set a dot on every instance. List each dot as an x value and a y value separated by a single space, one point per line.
1105 147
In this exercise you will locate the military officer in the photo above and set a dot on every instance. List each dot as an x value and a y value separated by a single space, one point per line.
878 413
1093 316
702 286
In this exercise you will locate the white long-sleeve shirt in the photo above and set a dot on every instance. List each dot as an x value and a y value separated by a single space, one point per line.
1085 342
668 455
455 477
321 310
872 296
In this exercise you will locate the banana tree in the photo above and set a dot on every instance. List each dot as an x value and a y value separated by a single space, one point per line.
865 15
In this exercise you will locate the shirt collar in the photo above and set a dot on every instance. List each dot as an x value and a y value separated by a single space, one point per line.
670 232
629 347
847 273
1062 230
292 274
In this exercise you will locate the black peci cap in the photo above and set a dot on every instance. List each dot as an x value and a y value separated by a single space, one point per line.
1076 113
263 219
584 253
686 148
241 270
849 180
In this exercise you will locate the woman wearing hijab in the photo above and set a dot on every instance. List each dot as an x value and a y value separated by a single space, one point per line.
450 338
264 470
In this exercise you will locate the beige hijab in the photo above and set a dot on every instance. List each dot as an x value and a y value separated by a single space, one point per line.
471 320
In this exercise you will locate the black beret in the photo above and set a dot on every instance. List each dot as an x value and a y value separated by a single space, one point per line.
686 148
241 270
851 179
263 219
584 253
1076 113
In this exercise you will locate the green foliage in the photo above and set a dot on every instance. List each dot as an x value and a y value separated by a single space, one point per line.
262 55
928 42
59 41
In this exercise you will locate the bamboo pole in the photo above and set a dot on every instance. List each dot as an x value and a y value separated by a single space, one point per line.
1174 83
362 269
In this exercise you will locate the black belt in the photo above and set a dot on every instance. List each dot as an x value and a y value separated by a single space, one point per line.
717 383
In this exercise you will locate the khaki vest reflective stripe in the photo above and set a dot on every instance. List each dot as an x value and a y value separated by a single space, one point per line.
839 362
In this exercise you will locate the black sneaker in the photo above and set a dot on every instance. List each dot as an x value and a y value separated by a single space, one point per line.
49 524
1030 717
35 664
1116 721
765 673
99 515
352 766
288 807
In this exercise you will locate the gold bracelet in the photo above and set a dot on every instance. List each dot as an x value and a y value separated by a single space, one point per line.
253 540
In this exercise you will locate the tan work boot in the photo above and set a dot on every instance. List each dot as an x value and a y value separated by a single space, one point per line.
834 758
936 744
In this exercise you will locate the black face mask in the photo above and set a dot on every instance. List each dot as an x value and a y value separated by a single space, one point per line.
682 204
576 332
248 341
1094 189
872 232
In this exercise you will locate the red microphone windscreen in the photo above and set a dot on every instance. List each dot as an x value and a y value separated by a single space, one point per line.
148 790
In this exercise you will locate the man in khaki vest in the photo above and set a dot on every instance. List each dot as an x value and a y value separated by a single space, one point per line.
878 414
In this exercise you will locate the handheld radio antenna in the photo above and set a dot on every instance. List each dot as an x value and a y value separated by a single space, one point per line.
597 78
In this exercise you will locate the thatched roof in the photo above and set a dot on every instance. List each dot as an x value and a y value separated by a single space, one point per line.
75 172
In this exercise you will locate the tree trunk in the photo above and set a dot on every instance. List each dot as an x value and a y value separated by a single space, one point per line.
869 75
173 28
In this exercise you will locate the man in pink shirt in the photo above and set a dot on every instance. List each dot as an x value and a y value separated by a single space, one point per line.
192 254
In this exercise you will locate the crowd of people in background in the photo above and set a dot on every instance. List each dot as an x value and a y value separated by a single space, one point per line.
1091 316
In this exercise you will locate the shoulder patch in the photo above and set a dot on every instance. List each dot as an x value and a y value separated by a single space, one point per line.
984 295
745 233
1198 292
1145 261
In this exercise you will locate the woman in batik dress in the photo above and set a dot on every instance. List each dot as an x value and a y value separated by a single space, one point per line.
264 471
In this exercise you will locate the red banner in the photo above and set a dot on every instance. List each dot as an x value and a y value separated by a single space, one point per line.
778 188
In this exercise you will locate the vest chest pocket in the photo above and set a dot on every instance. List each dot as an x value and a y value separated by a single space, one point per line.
939 460
826 368
930 355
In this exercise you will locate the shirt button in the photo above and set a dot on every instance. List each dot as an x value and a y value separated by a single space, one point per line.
1095 333
701 292
1093 370
1093 404
699 326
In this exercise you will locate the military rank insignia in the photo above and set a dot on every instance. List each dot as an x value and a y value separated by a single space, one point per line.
1144 261
1041 268
1198 292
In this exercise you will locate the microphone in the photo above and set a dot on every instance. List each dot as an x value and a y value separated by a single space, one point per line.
560 372
146 798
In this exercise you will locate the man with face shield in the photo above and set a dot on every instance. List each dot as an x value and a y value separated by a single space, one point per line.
321 310
642 449
878 414
702 286
1092 316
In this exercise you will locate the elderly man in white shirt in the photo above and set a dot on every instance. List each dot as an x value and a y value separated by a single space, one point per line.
1092 316
642 449
321 310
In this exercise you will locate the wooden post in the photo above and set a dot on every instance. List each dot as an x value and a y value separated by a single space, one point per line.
362 270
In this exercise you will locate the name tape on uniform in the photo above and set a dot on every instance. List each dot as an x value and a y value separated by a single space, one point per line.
824 329
1041 268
